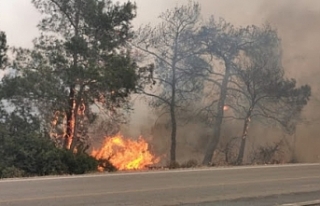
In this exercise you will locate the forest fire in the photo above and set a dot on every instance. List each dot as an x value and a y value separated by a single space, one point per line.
126 154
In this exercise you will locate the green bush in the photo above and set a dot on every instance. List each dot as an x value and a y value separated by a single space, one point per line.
34 156
51 163
79 163
25 151
10 172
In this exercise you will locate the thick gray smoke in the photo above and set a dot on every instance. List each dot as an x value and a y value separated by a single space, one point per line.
297 22
299 28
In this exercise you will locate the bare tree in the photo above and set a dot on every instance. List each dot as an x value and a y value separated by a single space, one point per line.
173 49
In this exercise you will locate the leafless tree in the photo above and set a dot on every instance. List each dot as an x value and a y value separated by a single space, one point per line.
173 50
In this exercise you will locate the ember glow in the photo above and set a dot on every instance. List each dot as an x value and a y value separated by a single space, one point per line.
126 154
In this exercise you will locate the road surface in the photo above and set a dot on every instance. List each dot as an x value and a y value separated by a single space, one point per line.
176 187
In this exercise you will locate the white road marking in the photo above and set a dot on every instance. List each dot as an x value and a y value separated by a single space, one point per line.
150 172
310 203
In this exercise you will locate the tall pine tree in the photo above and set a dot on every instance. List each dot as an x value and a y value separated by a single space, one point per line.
81 59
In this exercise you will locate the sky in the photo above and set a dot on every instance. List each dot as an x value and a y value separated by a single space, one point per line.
18 18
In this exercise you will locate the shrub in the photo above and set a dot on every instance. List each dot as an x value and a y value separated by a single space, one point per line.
190 163
174 165
26 151
268 154
79 163
10 172
33 157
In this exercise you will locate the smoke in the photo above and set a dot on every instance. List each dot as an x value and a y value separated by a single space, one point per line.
298 27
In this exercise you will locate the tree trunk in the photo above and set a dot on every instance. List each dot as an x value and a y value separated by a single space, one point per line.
75 138
73 105
70 119
214 141
173 105
78 102
244 137
241 151
173 135
173 118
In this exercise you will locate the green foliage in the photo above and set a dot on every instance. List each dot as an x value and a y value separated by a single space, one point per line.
81 58
79 163
92 52
11 172
26 151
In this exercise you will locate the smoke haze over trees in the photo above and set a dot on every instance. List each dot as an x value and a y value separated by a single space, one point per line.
231 47
209 86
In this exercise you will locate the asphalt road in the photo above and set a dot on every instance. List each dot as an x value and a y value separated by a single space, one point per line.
228 186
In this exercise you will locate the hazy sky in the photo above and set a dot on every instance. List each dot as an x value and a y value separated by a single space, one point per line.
18 18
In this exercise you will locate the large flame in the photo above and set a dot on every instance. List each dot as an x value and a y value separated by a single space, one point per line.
126 154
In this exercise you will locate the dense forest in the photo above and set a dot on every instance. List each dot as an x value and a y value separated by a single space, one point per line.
79 79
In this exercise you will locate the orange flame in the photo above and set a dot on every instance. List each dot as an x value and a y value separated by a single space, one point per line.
126 154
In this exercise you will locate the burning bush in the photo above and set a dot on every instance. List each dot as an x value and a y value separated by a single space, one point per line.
106 165
125 154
